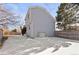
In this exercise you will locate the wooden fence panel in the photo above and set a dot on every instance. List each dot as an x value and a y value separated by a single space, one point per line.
67 34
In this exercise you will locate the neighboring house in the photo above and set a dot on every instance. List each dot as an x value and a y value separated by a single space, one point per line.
39 22
75 26
7 32
16 31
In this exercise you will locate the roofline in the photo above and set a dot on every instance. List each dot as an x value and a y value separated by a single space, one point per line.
31 7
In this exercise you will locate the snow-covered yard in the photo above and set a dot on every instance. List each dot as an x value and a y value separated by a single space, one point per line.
20 45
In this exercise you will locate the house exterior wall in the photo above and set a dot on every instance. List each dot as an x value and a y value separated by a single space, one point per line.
40 22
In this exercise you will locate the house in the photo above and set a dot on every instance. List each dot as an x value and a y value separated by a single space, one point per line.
75 26
39 22
8 32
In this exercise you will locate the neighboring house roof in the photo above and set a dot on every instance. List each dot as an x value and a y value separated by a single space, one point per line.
76 24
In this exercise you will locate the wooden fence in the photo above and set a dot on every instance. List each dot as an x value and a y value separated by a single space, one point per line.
67 34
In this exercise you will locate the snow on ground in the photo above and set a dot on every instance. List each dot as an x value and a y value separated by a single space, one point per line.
20 45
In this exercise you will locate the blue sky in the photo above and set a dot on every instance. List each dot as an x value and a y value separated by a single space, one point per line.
21 8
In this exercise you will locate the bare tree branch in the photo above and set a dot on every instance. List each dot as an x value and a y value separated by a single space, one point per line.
7 17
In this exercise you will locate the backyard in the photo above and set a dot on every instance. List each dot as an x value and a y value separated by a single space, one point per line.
21 45
39 29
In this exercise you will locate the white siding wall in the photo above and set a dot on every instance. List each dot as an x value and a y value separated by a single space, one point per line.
41 21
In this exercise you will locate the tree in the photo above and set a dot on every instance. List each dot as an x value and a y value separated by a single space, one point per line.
59 17
7 18
66 14
23 30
